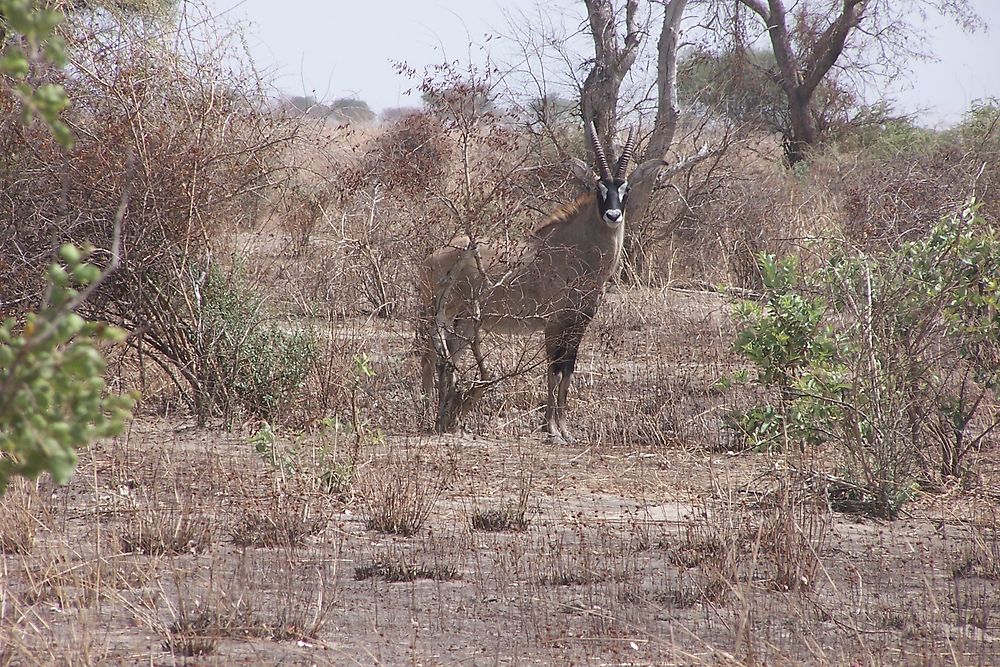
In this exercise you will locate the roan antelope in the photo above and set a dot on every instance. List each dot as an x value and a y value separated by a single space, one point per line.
554 282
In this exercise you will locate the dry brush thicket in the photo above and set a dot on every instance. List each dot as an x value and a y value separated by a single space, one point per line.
269 278
187 149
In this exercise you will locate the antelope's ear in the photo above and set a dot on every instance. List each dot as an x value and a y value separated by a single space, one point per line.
583 172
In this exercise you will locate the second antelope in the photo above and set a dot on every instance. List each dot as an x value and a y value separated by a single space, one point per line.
553 283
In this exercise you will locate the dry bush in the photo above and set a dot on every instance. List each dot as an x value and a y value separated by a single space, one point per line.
506 514
742 202
411 157
292 602
693 227
508 517
643 386
198 633
78 645
180 144
60 575
891 200
794 532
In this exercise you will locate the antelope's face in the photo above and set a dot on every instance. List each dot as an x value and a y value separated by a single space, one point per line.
611 197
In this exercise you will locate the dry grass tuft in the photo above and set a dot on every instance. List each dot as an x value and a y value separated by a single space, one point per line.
510 516
194 635
776 542
21 515
284 519
161 531
397 566
400 495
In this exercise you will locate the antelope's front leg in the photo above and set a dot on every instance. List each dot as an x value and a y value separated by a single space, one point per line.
554 378
561 347
553 374
565 378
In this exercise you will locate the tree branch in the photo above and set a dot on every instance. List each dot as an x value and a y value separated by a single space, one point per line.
757 7
830 45
658 169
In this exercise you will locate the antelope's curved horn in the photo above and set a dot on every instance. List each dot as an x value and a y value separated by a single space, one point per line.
602 160
626 155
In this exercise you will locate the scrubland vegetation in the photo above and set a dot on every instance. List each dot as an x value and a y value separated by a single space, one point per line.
787 405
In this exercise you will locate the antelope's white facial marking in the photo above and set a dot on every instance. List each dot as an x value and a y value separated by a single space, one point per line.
612 201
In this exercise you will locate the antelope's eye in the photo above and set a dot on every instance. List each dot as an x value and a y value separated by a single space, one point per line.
623 190
603 189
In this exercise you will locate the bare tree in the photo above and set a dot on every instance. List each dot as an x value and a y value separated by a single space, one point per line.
614 56
810 38
600 93
611 87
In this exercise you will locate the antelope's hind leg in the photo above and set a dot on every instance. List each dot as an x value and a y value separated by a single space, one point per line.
427 348
453 401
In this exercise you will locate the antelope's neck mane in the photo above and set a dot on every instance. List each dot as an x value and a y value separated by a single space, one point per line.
562 216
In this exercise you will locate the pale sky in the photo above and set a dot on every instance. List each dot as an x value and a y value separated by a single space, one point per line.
344 48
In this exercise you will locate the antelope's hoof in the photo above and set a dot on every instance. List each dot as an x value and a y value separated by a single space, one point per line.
560 437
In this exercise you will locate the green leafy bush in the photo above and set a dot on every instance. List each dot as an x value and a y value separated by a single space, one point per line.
52 389
793 351
249 361
892 358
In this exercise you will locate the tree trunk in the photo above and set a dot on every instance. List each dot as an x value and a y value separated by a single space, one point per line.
800 74
599 96
643 182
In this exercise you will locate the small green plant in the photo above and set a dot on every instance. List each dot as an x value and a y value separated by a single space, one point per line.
52 388
316 457
361 424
